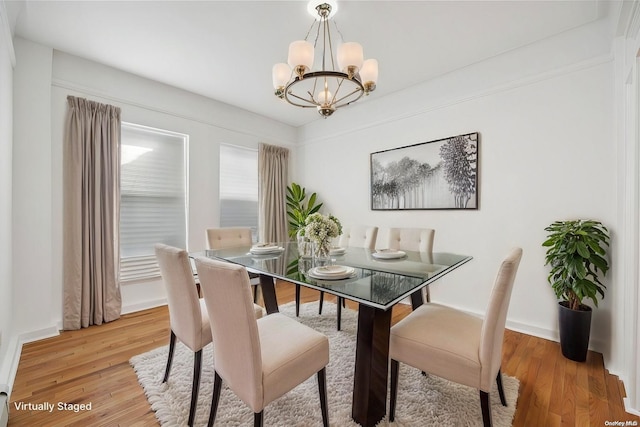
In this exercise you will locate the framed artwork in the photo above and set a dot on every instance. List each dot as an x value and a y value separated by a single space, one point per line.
441 174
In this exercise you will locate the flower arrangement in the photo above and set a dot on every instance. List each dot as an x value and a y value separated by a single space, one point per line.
320 229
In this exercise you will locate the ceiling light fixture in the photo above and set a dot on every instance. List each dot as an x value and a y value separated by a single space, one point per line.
335 84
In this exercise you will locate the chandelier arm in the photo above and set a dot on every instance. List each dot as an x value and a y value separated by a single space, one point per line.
340 81
314 89
313 99
303 99
337 102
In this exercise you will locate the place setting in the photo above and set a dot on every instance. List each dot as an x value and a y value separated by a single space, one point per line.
388 254
265 249
331 272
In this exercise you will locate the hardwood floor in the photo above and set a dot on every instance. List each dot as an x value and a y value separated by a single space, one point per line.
91 366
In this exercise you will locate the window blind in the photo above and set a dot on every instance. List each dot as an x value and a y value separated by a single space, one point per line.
239 187
153 198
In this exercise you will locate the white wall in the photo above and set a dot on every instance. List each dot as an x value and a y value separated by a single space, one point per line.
546 153
32 222
6 141
627 97
208 123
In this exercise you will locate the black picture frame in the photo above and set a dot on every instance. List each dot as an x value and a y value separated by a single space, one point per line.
440 174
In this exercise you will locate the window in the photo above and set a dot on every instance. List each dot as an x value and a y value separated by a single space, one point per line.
153 197
239 187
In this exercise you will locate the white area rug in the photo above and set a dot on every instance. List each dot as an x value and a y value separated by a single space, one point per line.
422 401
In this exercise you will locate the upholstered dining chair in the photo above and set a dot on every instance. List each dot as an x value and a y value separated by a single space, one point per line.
412 239
454 345
358 236
188 315
259 360
228 237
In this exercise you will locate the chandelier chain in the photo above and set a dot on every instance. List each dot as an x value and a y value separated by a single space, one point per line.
335 24
309 32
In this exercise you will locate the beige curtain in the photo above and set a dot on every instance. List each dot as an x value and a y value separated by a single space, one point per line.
273 175
91 211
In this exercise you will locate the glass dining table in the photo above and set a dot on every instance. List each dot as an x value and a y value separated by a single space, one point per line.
376 284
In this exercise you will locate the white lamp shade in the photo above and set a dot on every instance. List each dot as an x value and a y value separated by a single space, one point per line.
300 53
324 96
350 53
281 73
369 71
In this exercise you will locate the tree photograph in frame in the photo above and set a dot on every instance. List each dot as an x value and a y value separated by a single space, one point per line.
441 174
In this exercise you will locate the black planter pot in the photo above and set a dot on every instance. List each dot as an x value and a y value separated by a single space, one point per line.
575 327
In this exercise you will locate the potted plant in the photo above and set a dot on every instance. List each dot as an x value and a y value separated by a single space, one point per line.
298 208
576 253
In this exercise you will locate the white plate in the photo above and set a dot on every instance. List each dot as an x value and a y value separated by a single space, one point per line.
388 254
265 252
266 255
333 269
337 250
263 246
265 249
331 272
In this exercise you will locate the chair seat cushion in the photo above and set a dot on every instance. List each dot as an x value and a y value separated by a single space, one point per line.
439 340
291 353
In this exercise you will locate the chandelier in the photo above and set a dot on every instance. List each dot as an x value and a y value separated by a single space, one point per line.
337 83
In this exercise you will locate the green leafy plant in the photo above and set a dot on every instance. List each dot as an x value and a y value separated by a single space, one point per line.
576 253
298 208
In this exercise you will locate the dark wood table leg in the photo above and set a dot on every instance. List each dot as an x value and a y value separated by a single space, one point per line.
416 299
372 359
268 294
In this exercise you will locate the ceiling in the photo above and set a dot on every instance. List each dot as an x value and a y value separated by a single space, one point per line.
225 49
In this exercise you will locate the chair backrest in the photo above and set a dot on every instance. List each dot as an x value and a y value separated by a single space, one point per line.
411 239
359 236
236 343
182 295
220 238
495 318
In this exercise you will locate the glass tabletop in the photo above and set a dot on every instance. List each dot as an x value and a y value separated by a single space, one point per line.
373 281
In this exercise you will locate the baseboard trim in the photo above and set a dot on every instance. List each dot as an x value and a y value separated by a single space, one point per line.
533 330
12 360
627 402
4 409
27 337
524 328
132 308
10 366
